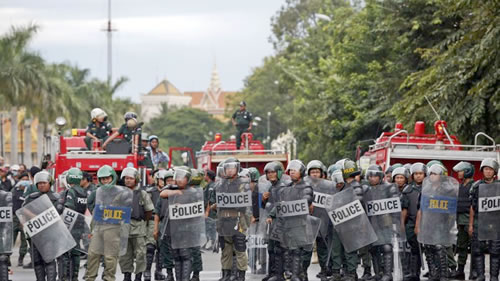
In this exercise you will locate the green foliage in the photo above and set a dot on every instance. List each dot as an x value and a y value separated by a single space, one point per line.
51 90
338 84
185 126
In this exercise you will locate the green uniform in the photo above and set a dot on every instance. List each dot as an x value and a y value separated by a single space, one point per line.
100 131
136 246
243 120
128 133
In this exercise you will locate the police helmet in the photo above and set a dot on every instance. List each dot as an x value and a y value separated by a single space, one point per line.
374 171
107 171
274 167
418 167
401 171
97 112
130 172
42 176
254 174
74 176
489 162
466 167
315 164
349 168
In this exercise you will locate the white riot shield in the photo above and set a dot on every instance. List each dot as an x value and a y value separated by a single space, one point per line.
42 223
489 211
438 206
383 207
323 191
234 207
350 221
79 227
111 219
187 219
257 246
6 223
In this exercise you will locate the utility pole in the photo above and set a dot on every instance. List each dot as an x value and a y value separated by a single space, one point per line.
109 34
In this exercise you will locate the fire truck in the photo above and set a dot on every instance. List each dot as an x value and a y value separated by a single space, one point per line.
72 152
252 153
403 147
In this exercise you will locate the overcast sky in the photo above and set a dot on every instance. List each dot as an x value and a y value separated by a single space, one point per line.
175 39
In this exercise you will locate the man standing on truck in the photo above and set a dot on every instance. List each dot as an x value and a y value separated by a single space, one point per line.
242 120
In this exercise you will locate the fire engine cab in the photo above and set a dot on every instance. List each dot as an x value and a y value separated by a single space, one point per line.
252 153
403 147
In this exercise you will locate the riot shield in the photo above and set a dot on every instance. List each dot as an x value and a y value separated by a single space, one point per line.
295 228
42 223
257 245
78 226
323 191
111 220
187 219
383 209
489 211
350 221
438 207
234 203
6 224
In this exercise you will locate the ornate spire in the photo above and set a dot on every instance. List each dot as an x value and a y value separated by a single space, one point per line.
214 89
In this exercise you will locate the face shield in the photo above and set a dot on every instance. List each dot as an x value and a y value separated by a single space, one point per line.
337 177
231 169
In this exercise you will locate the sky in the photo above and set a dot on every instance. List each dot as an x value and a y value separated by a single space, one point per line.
178 40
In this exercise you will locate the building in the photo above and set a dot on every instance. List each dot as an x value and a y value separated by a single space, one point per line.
213 100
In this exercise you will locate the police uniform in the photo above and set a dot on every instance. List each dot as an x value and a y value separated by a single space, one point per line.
100 131
152 245
44 269
410 201
167 261
480 247
17 202
243 120
128 133
136 246
463 212
76 200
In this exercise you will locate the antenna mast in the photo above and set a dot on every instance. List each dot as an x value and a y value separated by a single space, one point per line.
109 34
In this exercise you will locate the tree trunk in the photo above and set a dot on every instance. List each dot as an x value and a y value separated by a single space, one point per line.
13 136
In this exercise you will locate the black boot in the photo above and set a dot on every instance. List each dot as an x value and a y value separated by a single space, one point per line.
196 276
460 274
479 262
158 267
51 271
296 266
413 267
367 274
431 265
443 263
494 266
241 275
186 269
388 263
170 275
20 261
127 276
150 253
4 267
138 276
40 273
178 270
226 274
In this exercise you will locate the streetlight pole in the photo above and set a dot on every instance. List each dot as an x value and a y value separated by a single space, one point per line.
269 130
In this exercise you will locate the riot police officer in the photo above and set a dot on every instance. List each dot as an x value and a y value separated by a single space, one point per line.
489 169
142 208
465 174
152 245
75 199
43 270
233 221
131 131
161 231
197 265
409 205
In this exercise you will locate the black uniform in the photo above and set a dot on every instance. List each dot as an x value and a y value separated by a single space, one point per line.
243 120
410 201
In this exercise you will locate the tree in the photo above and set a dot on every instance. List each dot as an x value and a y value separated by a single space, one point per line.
183 127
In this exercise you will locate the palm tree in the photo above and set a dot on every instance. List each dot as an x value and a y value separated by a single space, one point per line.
22 75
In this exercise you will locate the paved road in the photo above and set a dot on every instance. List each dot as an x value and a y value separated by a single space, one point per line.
211 264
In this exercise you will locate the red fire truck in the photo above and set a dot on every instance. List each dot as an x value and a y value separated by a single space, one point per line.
252 153
403 147
72 152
